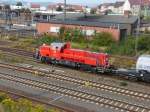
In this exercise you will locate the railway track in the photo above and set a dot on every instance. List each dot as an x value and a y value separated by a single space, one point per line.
37 100
17 51
4 43
75 94
82 82
30 54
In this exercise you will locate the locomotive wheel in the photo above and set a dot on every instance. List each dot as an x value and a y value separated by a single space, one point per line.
77 66
54 62
43 59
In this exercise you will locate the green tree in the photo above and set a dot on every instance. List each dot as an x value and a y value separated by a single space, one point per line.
68 35
78 36
93 11
61 33
7 7
19 4
59 8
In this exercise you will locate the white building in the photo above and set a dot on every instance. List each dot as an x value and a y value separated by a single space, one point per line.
43 8
132 5
14 7
116 7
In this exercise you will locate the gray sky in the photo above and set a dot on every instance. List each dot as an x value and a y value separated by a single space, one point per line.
83 2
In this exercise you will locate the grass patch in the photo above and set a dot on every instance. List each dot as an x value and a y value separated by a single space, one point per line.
26 44
13 38
12 59
7 104
122 62
3 96
123 84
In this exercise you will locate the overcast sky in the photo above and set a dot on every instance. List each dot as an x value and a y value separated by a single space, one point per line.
83 2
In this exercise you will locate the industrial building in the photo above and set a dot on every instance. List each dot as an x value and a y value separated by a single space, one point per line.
118 26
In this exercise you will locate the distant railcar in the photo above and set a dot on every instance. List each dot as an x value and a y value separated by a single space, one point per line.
143 67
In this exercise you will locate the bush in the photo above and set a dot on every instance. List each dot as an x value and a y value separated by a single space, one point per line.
13 38
126 47
47 39
103 39
79 37
74 35
144 43
23 105
100 42
3 96
59 8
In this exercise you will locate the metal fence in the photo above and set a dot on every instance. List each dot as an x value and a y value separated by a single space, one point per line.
6 32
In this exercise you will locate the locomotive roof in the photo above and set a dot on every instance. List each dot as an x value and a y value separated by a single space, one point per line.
87 51
57 44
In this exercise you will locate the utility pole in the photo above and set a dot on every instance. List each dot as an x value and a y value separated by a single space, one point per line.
138 29
7 11
64 10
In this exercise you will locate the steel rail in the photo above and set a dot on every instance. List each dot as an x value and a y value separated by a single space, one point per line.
81 82
76 94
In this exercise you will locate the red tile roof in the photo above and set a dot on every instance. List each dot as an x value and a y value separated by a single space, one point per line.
147 2
76 7
33 5
52 6
139 2
135 2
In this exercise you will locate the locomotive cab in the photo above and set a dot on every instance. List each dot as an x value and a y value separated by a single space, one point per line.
52 51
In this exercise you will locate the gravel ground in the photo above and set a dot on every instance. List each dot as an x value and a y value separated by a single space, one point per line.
110 80
5 43
144 87
83 88
65 101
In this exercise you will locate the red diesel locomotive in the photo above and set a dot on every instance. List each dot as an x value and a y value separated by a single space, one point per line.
62 53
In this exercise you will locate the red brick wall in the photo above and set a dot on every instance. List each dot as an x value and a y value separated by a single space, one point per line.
45 28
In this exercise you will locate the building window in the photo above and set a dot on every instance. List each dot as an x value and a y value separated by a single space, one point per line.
88 32
45 17
54 29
